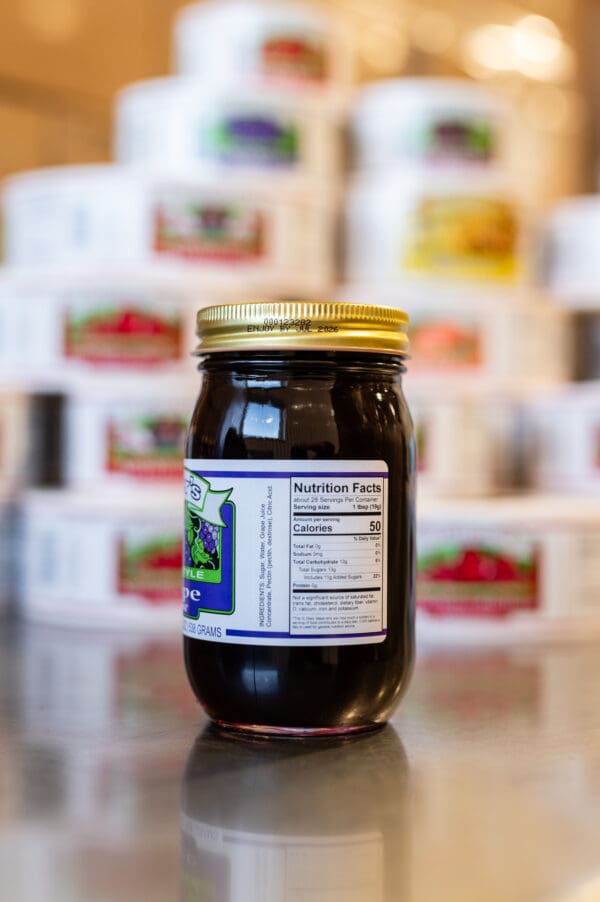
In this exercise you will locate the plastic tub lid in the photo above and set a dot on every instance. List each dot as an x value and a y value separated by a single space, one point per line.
244 10
449 299
145 390
57 174
384 97
526 511
572 393
305 188
414 178
577 210
165 89
154 278
120 501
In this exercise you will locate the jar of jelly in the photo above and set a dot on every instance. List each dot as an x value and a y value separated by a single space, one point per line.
299 518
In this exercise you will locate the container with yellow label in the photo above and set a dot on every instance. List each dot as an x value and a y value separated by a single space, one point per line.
417 226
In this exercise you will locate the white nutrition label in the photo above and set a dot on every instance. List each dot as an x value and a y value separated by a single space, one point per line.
286 552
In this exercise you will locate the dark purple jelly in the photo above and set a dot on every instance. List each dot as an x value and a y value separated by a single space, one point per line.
334 405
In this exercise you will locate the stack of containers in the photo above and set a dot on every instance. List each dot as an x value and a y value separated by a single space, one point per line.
224 187
103 546
561 426
433 225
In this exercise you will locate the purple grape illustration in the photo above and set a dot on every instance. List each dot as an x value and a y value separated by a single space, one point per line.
202 546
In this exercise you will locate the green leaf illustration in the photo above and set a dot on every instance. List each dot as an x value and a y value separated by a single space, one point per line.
189 526
198 552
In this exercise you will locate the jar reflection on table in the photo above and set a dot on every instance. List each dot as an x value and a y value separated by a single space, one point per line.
265 821
84 697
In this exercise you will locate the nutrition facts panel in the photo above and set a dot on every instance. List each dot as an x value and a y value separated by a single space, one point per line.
286 552
338 555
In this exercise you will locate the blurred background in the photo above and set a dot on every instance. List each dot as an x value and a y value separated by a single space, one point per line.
63 61
440 157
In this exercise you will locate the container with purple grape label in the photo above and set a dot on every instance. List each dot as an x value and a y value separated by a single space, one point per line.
209 544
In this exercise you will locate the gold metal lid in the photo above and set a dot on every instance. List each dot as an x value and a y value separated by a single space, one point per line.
302 325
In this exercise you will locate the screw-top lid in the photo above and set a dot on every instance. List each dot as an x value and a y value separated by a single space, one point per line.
302 326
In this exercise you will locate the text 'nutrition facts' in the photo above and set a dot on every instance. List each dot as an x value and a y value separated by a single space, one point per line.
337 554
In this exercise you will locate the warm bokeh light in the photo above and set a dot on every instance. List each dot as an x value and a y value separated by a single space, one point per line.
537 40
490 47
533 46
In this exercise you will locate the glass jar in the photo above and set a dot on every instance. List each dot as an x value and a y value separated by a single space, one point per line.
299 518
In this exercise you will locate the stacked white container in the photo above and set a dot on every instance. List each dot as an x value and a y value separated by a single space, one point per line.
293 46
225 186
234 234
433 226
562 428
431 201
104 548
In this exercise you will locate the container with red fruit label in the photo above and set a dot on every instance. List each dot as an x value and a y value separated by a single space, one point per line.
209 231
54 332
445 343
520 567
459 574
103 558
507 340
294 46
148 563
127 433
294 56
127 333
511 342
237 232
149 446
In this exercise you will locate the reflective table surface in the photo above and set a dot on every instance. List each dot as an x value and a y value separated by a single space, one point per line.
485 787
